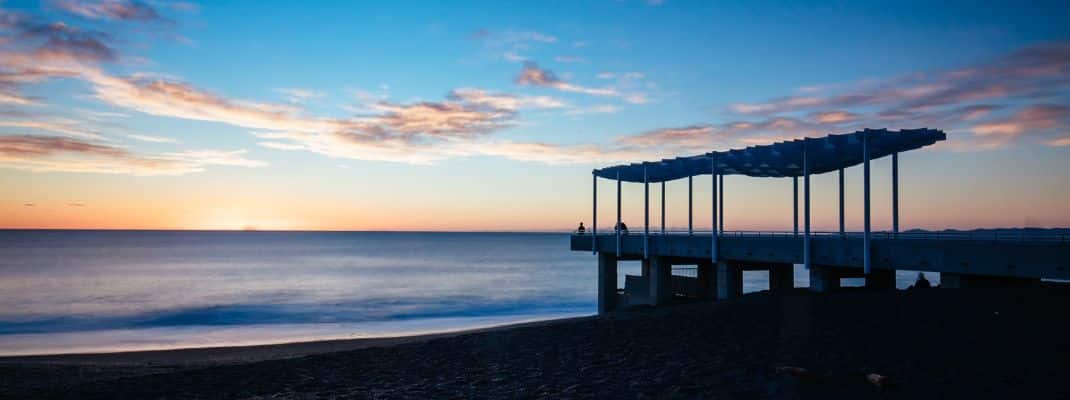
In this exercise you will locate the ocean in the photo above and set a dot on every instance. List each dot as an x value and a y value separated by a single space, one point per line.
98 291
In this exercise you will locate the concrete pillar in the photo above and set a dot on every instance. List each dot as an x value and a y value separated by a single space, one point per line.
823 279
781 277
964 281
707 280
607 282
883 279
729 280
660 281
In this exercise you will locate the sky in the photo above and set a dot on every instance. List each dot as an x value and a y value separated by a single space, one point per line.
146 114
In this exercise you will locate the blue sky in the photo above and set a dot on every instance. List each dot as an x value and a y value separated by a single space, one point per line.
489 115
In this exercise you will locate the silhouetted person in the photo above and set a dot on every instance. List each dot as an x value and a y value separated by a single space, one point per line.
581 230
921 282
622 228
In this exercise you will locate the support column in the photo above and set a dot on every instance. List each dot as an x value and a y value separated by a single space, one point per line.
883 279
842 231
795 205
690 220
662 208
594 213
660 281
713 207
823 279
895 193
617 227
607 282
867 266
729 280
707 280
781 277
646 213
806 207
720 206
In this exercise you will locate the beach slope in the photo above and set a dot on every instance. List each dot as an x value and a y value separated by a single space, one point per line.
939 343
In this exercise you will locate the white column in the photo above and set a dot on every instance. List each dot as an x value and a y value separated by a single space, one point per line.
713 207
617 227
690 221
806 207
594 213
720 205
865 195
663 208
646 213
795 205
895 193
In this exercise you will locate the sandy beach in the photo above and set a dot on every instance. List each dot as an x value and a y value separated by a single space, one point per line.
976 343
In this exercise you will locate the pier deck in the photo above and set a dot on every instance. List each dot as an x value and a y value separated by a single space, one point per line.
962 259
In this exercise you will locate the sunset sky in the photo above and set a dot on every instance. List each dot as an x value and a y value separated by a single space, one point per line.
490 115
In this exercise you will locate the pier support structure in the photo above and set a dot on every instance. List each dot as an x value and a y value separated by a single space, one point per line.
706 272
883 279
781 277
824 279
660 281
729 280
607 282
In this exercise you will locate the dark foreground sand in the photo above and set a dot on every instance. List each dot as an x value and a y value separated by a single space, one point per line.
977 343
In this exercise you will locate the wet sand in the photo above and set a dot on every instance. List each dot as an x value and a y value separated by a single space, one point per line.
940 343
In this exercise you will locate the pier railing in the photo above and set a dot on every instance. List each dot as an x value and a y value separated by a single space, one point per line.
1013 236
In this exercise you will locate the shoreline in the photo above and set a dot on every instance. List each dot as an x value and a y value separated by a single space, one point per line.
239 354
929 343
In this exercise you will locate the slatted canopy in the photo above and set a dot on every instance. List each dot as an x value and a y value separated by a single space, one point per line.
781 159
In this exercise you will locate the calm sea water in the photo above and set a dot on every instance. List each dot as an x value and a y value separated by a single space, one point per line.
90 291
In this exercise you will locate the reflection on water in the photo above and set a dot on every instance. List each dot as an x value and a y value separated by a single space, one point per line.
76 291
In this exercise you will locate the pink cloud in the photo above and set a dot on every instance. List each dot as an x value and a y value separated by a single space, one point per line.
532 75
120 10
61 154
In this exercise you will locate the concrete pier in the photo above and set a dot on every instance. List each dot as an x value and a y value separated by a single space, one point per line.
781 277
881 279
607 282
729 280
824 278
990 262
660 281
706 272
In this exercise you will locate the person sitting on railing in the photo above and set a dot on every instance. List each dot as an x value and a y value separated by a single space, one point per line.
581 230
622 228
921 282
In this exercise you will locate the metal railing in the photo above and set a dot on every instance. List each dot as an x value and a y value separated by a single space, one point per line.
994 235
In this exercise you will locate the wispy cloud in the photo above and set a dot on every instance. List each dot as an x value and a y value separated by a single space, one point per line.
60 154
56 125
298 96
504 101
570 59
151 138
118 10
1028 86
595 109
532 75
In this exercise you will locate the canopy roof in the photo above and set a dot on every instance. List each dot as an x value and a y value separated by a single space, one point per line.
781 159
